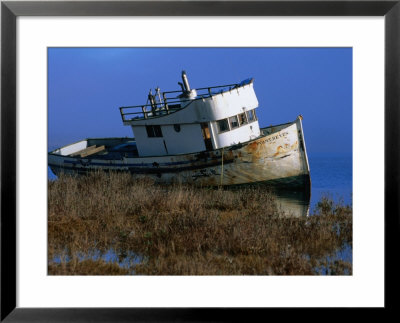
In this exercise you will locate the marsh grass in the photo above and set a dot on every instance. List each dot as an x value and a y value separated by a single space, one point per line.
182 230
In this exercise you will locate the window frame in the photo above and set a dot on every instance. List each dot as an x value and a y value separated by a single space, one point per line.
227 124
253 113
245 116
154 131
237 122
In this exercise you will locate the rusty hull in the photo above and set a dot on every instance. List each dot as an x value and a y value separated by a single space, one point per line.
275 156
279 154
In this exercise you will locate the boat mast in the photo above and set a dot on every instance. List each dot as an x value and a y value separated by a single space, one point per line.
152 99
158 91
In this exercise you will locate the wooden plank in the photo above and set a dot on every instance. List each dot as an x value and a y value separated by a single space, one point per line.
79 152
93 151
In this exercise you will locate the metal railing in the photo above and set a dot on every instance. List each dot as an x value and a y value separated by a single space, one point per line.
147 111
171 104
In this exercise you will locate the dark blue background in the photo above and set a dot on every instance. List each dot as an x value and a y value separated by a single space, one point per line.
87 85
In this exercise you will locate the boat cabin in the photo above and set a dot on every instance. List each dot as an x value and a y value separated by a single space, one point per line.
194 120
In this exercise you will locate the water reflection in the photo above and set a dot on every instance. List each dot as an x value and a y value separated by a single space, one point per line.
293 203
125 259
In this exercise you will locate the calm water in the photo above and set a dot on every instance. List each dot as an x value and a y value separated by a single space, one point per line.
332 175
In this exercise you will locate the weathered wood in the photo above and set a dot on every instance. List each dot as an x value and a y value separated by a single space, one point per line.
93 151
88 151
79 152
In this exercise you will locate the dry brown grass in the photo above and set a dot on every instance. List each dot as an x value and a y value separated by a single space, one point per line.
182 230
86 267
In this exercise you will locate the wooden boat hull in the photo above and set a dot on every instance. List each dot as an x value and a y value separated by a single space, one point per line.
278 157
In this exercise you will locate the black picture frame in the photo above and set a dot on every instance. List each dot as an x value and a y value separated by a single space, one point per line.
10 10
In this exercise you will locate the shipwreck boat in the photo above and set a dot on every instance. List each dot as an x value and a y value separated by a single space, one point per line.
206 136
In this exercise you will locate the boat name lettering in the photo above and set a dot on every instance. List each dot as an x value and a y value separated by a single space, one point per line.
283 134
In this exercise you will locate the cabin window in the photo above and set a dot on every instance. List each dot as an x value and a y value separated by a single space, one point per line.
234 122
223 125
242 118
154 131
251 115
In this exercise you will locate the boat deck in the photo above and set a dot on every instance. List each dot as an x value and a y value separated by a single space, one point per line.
100 148
118 148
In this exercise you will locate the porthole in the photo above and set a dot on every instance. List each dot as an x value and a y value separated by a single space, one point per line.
177 127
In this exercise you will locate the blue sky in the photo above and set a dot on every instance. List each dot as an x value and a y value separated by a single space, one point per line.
87 85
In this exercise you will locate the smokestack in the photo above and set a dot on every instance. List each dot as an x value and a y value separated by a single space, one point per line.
185 81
